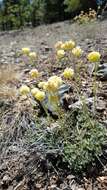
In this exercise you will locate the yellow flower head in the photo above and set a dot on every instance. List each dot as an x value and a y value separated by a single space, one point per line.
58 45
45 86
53 84
25 51
24 90
40 96
68 73
34 73
60 54
34 91
42 84
56 79
94 56
33 55
77 51
68 45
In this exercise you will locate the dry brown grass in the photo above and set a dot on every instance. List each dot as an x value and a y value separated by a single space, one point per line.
8 73
9 77
15 121
7 92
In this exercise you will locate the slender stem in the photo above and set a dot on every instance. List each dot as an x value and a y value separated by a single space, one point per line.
95 89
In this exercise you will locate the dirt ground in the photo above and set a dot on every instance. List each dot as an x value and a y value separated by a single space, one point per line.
22 167
43 38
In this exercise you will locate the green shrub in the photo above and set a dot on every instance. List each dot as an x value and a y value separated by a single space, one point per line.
79 139
72 5
85 143
77 5
54 10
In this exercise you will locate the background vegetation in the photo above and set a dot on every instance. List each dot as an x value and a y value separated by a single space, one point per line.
15 13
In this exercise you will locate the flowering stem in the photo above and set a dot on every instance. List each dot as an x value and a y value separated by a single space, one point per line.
95 88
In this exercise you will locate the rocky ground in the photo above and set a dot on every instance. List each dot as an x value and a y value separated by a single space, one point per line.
21 166
43 38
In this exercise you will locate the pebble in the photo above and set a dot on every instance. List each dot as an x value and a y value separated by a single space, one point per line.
6 178
69 177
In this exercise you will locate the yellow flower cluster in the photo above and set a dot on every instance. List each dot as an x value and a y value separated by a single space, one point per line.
58 45
34 73
40 95
24 90
68 73
68 45
32 55
34 91
94 56
92 14
86 17
42 84
60 54
53 84
77 51
63 47
25 51
50 87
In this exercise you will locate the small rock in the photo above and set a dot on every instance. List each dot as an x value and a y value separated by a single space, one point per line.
78 104
47 48
69 177
10 187
47 34
102 72
38 186
73 186
100 105
105 123
6 179
53 187
44 57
